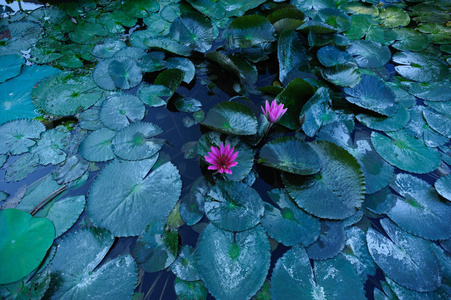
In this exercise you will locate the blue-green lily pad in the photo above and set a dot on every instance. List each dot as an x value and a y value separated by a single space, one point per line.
193 30
330 242
121 195
21 167
49 149
97 145
239 261
19 135
117 112
190 290
64 213
439 121
420 67
185 266
443 186
248 31
233 206
10 66
369 54
393 16
183 64
291 55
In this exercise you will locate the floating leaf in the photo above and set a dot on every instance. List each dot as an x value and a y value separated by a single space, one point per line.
183 64
185 267
291 55
405 152
410 40
288 224
21 167
231 118
24 242
152 61
10 66
64 213
124 72
37 192
443 186
381 201
420 211
190 290
420 67
157 247
293 278
108 48
192 205
393 16
140 8
49 149
154 95
330 242
418 128
233 206
239 261
97 145
122 193
372 93
369 54
433 91
248 31
343 75
167 44
137 141
75 271
337 191
330 56
72 169
283 154
188 104
117 112
393 123
404 258
27 288
17 136
193 30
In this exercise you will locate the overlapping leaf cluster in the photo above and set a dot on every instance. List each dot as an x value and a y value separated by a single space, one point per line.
358 166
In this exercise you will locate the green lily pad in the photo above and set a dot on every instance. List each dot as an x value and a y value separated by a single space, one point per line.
317 111
393 123
154 95
64 213
340 184
381 201
22 35
361 24
343 75
185 266
438 121
117 112
97 145
27 288
10 66
137 141
232 118
157 247
76 272
420 211
330 242
71 170
283 154
356 252
248 31
193 30
288 224
291 55
152 62
240 261
166 44
188 104
21 167
369 54
190 290
433 91
88 33
171 78
49 149
124 72
420 67
19 135
233 206
293 278
373 94
393 16
418 128
108 48
37 192
120 196
140 8
183 64
404 258
443 186
410 40
24 242
192 204
330 56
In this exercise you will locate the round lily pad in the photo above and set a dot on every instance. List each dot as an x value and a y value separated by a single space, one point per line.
185 267
64 213
18 135
239 261
393 16
24 241
283 154
288 224
118 112
193 30
405 152
420 210
330 242
97 145
337 191
248 31
124 72
126 196
439 121
10 66
137 141
420 67
49 149
76 272
233 206
369 54
190 290
443 186
404 258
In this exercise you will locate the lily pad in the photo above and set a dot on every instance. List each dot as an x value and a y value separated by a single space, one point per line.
433 91
438 121
71 170
330 56
393 16
420 67
49 149
248 31
369 54
117 112
19 135
21 167
24 242
283 154
291 55
343 75
137 141
124 72
193 30
288 224
330 242
10 66
418 128
190 290
410 40
404 258
293 278
185 267
393 123
97 145
154 95
373 94
420 210
157 247
120 196
240 261
405 152
340 184
232 118
183 64
64 213
233 206
443 186
108 48
76 272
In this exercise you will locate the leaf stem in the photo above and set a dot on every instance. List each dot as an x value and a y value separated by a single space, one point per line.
47 200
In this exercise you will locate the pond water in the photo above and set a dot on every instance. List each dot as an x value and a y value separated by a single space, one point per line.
345 196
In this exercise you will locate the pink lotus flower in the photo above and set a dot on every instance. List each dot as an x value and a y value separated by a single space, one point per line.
222 159
273 112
